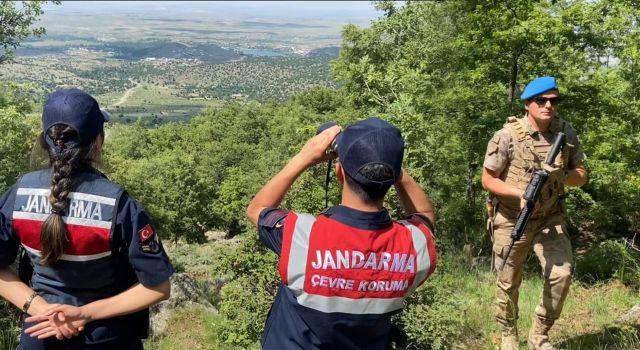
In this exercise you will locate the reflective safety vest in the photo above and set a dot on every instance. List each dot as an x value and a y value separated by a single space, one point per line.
86 263
332 267
93 265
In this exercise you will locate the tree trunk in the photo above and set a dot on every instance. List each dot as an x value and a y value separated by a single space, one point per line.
513 80
471 192
176 236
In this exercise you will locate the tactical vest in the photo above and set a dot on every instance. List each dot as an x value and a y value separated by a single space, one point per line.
526 155
332 267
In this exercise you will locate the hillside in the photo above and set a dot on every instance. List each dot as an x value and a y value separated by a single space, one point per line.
170 88
207 53
332 51
596 316
193 141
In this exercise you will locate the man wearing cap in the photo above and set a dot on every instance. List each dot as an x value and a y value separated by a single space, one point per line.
513 153
345 272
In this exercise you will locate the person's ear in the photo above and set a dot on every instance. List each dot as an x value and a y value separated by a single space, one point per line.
339 173
100 140
96 150
400 176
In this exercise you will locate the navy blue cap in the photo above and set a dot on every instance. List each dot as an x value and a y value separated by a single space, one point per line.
538 86
371 141
77 109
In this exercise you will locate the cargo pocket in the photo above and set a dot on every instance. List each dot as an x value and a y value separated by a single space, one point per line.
501 235
498 249
497 259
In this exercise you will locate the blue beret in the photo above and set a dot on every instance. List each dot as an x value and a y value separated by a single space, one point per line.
538 86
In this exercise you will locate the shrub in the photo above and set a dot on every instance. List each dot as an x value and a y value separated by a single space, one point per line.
10 325
245 301
244 305
610 259
433 319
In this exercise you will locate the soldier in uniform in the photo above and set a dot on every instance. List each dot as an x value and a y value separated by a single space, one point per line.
97 263
513 153
345 272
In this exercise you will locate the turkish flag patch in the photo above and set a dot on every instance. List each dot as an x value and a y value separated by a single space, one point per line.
145 233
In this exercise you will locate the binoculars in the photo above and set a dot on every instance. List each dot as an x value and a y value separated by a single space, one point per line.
332 149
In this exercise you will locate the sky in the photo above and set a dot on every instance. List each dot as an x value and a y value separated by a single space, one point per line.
357 12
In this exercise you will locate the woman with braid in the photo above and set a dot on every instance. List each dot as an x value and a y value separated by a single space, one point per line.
97 263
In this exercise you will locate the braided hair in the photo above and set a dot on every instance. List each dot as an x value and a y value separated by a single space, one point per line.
65 162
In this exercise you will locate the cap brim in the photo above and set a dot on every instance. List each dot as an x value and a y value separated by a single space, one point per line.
106 115
339 138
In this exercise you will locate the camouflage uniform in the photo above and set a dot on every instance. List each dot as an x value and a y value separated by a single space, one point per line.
516 151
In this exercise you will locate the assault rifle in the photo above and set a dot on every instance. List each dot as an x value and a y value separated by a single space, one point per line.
531 194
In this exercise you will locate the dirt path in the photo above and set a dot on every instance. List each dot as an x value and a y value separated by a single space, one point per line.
126 95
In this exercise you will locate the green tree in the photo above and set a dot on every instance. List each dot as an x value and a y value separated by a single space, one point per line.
157 168
448 74
16 19
18 133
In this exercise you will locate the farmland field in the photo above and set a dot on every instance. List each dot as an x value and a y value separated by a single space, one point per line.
169 62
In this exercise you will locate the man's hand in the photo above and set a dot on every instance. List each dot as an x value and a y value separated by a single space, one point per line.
492 182
315 150
555 173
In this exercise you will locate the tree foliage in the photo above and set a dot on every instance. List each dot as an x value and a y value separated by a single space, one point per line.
17 132
16 19
449 73
201 175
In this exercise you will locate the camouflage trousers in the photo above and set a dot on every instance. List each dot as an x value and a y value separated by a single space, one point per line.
550 242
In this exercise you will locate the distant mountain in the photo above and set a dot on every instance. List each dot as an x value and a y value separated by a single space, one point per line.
255 24
208 53
330 51
27 50
135 51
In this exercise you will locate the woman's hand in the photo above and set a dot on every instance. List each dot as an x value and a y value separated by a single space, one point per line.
61 321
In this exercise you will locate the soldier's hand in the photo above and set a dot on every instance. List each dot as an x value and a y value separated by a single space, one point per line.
523 202
315 150
555 173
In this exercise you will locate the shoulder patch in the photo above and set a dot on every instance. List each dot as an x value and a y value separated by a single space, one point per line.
149 241
145 233
493 150
275 218
512 119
